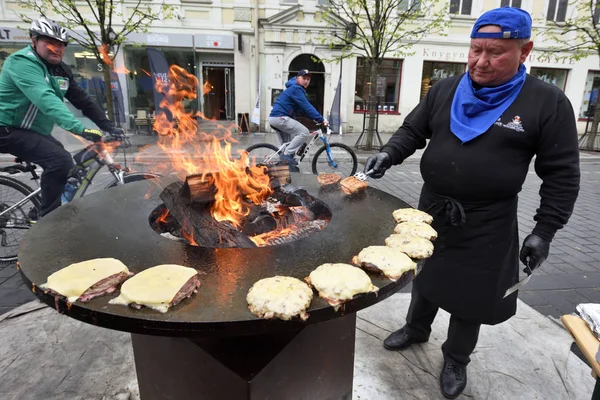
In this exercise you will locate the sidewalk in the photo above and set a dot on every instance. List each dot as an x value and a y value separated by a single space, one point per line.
47 355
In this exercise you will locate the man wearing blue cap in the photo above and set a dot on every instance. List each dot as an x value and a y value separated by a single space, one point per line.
484 127
290 104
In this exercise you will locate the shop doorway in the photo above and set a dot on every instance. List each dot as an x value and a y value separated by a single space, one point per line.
316 90
217 92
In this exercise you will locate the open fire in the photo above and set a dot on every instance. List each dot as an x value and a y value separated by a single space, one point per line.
222 200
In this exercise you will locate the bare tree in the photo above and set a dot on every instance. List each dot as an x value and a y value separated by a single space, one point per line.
100 26
382 28
579 35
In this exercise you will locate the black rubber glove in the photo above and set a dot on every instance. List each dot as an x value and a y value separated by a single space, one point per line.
379 163
534 252
93 135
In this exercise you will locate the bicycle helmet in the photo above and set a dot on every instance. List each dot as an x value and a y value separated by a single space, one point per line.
49 28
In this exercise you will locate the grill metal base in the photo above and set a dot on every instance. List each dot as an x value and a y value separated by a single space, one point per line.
316 362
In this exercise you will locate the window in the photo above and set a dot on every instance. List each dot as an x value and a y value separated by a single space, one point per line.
554 76
433 71
462 7
590 95
140 88
406 5
388 88
512 3
557 10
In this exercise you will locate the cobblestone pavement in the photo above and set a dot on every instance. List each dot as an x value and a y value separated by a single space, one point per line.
570 276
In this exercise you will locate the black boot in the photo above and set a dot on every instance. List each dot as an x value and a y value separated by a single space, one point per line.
401 339
453 380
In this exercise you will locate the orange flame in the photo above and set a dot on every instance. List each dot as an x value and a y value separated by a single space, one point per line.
122 70
264 239
207 154
188 233
55 49
163 217
104 53
207 87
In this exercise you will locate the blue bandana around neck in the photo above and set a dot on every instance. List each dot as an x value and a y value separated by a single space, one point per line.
474 111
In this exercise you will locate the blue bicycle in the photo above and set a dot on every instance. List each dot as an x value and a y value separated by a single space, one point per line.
330 158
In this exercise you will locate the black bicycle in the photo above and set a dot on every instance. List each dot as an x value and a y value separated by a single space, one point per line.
20 204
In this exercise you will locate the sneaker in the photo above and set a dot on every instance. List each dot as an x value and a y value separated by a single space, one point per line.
288 158
33 215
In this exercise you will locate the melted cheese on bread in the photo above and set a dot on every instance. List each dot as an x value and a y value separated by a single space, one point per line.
420 229
281 297
392 262
413 246
74 280
340 282
155 287
411 215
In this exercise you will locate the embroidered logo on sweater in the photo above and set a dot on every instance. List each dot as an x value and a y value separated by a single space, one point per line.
515 124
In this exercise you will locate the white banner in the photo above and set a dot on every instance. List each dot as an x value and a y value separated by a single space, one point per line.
256 113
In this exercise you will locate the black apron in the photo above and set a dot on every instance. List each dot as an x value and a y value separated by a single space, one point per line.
475 257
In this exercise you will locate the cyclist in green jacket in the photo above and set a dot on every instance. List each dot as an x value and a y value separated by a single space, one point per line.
33 84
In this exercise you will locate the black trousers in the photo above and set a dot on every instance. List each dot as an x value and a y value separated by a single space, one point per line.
45 151
462 335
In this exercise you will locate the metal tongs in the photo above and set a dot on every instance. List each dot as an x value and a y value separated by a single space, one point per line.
362 176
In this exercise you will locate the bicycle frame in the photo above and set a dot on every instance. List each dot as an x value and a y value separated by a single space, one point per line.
318 134
103 157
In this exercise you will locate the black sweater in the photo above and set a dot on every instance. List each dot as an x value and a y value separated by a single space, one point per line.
493 166
79 98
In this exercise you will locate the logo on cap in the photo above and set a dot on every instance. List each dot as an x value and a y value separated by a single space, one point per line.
303 72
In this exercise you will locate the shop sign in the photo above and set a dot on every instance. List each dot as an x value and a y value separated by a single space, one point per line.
161 39
551 59
207 41
13 35
445 55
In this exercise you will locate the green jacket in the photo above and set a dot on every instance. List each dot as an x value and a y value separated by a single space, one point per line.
31 98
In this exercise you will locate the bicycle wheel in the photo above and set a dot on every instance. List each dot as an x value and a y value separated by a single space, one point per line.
133 177
344 160
15 223
261 152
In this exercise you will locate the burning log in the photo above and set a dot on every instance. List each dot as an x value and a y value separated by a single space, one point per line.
201 189
196 216
301 230
279 174
198 189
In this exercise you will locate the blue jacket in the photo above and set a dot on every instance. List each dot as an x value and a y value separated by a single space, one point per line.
292 100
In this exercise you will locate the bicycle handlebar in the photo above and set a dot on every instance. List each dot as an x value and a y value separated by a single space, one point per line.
108 138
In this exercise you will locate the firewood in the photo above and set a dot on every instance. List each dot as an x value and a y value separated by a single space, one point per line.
207 232
198 189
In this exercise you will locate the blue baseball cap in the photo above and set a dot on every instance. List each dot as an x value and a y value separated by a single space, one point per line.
514 23
303 72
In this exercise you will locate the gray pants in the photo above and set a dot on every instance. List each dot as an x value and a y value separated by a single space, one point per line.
292 127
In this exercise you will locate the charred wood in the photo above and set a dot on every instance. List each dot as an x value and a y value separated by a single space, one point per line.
206 231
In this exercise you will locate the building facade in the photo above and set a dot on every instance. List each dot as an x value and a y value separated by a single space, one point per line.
236 47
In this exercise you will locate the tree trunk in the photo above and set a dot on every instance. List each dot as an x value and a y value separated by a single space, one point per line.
108 89
372 105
